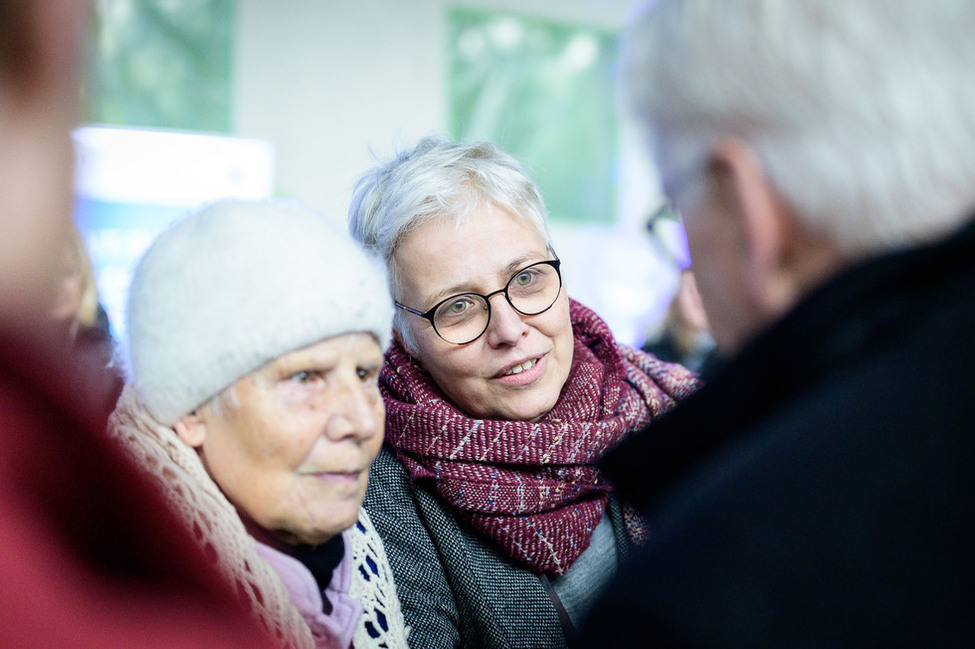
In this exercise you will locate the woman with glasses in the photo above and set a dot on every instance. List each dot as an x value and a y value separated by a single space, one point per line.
501 393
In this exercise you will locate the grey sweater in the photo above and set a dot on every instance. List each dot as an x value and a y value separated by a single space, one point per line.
456 589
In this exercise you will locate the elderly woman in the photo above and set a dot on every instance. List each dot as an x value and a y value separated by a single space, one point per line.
255 338
501 393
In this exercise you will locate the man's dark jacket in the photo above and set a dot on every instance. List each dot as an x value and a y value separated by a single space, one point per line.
819 491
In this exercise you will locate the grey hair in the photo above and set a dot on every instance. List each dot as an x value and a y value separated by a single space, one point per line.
224 402
438 179
863 112
227 400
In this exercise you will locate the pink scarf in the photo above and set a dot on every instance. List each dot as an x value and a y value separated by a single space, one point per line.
533 487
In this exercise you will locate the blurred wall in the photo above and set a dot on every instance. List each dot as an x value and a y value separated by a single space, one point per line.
327 82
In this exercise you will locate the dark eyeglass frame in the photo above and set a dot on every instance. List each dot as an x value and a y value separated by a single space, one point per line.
666 212
430 313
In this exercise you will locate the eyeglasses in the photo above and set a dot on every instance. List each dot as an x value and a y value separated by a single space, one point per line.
463 318
667 236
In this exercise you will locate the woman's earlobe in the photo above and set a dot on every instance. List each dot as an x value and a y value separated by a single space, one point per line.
191 429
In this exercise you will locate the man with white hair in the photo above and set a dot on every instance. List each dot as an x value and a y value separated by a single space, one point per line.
820 490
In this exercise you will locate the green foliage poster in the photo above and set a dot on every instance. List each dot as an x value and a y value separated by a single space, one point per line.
544 91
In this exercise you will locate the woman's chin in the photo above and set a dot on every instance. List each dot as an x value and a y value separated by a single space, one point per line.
315 535
314 538
529 410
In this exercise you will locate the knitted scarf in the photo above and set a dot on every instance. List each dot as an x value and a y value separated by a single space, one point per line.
533 487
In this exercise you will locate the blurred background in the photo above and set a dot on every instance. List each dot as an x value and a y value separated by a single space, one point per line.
188 101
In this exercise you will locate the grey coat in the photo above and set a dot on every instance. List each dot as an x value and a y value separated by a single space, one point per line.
455 588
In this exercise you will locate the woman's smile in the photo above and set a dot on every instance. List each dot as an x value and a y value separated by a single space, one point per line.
523 373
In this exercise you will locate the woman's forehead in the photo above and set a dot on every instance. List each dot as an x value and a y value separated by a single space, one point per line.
477 232
355 345
442 258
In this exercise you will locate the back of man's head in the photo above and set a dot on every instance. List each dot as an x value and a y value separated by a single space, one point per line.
861 112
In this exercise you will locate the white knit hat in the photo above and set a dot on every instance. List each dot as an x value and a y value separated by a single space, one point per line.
236 285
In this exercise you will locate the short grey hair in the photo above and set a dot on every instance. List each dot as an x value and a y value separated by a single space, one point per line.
227 401
224 403
438 179
862 111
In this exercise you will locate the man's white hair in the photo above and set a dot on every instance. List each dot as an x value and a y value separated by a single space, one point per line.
862 111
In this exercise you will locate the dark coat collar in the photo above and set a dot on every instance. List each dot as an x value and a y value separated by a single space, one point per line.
859 310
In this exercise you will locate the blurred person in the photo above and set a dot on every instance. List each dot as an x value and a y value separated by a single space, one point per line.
90 554
819 489
83 323
686 336
76 304
254 345
501 393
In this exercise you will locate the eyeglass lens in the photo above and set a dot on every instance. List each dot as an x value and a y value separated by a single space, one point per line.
668 237
530 291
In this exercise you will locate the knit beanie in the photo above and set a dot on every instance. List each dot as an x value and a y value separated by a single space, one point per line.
236 285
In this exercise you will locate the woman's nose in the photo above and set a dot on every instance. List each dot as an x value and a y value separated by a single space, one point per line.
506 326
358 411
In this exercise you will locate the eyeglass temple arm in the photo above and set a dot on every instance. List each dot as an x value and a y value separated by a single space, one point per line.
414 311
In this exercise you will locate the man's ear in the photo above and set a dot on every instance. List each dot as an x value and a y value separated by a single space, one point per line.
768 228
191 429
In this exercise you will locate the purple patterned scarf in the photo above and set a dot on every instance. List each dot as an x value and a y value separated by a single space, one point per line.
533 487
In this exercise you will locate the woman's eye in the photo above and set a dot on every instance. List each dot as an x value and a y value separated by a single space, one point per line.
459 309
303 377
524 278
367 374
458 306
